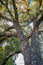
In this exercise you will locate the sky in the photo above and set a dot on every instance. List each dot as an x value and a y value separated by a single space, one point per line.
31 2
20 59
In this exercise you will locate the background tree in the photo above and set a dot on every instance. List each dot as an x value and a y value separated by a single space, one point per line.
15 17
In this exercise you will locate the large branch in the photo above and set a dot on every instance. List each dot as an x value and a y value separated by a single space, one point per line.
8 35
20 34
10 55
37 22
40 31
15 9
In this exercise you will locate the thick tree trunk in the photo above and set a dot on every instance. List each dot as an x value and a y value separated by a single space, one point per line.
24 46
36 54
32 55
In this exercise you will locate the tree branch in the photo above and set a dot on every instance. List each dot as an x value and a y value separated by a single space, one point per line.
32 32
11 27
10 55
1 40
20 34
40 1
9 10
4 17
5 35
15 9
40 30
8 35
37 22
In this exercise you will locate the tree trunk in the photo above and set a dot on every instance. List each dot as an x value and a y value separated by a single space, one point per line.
32 55
35 51
24 46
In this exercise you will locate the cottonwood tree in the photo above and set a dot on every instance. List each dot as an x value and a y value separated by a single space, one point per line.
20 12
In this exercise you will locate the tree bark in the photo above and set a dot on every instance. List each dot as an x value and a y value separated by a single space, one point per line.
24 46
36 54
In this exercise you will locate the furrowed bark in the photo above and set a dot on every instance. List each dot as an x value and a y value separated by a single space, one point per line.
36 54
25 48
36 58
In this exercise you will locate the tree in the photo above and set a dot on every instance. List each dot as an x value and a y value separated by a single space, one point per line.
22 12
